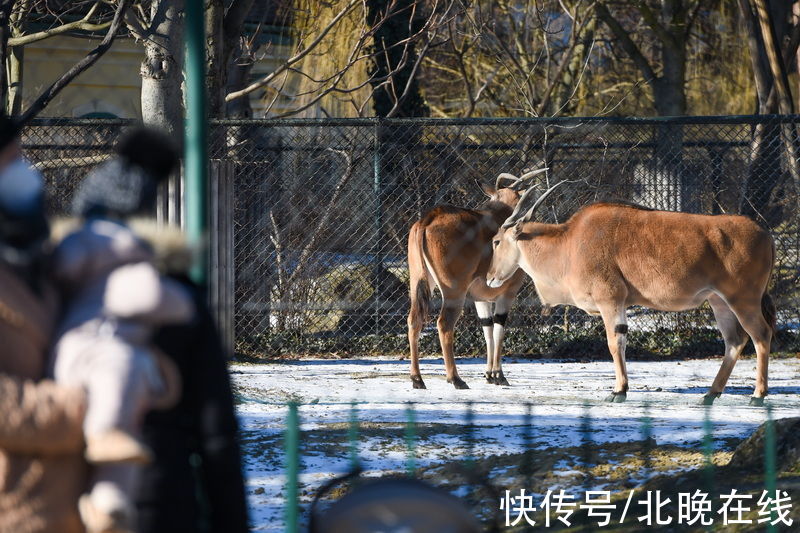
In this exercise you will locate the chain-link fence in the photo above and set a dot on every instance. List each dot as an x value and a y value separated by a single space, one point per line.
320 213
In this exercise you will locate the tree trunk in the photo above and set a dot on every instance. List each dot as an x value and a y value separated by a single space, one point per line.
216 72
780 80
14 61
5 32
162 98
765 146
669 92
669 100
15 80
223 31
238 76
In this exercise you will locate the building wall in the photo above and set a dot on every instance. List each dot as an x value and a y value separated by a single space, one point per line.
112 86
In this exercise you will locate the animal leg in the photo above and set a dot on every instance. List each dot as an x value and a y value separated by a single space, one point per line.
484 310
501 307
752 320
420 295
735 339
451 311
616 324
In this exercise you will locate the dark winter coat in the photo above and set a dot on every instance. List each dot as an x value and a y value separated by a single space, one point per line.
196 482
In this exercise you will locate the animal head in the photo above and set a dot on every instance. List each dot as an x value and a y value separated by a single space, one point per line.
507 187
505 249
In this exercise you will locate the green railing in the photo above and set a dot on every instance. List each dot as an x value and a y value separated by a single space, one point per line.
708 478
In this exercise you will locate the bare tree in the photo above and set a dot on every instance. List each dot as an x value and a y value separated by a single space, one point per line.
15 15
158 25
773 36
670 22
511 58
333 46
224 31
91 58
671 25
6 7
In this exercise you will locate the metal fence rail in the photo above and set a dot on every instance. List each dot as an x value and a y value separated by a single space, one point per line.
486 505
319 212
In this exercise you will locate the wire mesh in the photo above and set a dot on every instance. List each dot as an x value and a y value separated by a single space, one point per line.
322 209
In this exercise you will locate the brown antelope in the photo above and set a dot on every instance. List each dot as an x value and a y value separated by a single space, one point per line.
450 248
608 257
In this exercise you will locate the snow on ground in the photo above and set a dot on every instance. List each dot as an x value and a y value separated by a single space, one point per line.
561 393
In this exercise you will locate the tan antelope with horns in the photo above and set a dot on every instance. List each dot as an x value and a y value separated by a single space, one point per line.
450 248
608 257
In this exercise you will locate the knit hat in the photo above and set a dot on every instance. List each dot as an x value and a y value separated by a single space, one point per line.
116 188
23 226
127 185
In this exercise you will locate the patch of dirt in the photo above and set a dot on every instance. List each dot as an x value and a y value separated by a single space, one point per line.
622 467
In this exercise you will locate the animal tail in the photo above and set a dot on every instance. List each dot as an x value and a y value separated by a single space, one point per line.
418 274
767 305
768 309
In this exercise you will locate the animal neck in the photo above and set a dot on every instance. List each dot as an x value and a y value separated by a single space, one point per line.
498 211
542 248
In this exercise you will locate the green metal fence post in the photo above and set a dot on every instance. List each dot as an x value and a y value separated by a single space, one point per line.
708 451
469 437
527 442
196 134
469 457
352 436
291 445
770 459
411 440
587 453
647 445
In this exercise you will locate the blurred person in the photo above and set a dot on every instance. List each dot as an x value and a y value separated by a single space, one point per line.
195 483
116 300
42 471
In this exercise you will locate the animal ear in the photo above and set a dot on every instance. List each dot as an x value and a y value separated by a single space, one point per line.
487 189
516 231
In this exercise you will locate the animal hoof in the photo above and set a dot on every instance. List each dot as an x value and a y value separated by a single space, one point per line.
708 399
501 380
458 383
617 397
756 402
490 378
418 383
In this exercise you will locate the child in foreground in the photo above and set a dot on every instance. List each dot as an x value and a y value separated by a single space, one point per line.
116 300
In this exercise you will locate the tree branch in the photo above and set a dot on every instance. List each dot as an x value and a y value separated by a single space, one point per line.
775 58
627 43
755 43
652 21
318 232
6 6
295 58
565 60
91 58
691 18
399 101
235 16
83 24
